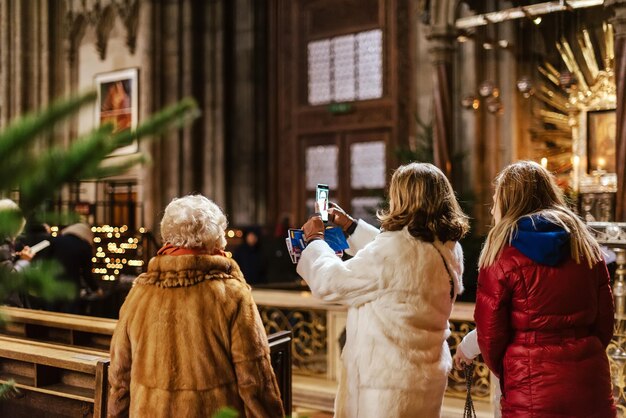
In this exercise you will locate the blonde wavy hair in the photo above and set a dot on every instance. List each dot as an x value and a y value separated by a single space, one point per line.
12 219
524 189
421 198
194 222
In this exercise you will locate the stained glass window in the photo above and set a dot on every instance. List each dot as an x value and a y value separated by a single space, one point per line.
367 165
321 166
319 72
370 64
346 68
343 68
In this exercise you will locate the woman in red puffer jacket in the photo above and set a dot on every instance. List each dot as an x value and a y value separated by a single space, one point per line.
544 310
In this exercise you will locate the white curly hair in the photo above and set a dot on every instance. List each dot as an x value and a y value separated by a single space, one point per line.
194 222
10 207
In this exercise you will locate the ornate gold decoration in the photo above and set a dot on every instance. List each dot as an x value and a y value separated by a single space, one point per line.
456 380
617 361
309 330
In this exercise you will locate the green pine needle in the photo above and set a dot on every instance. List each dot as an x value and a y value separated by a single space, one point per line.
226 413
41 279
38 174
8 389
23 131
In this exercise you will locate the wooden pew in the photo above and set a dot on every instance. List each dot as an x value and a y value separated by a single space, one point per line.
92 333
55 327
53 381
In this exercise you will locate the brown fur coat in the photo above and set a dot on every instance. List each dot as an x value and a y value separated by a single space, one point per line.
190 341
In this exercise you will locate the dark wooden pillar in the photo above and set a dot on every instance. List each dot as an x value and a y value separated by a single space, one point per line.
442 41
618 20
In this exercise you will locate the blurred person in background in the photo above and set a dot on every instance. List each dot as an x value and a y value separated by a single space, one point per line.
249 256
11 225
73 250
34 233
280 269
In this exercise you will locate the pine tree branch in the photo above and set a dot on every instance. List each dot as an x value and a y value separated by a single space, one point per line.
172 117
82 160
112 170
23 131
40 175
41 279
59 166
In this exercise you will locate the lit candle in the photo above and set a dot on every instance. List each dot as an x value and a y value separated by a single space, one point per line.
601 163
544 162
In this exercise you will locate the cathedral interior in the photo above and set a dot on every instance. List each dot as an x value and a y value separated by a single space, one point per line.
295 93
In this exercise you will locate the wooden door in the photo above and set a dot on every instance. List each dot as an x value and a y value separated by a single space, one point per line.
342 84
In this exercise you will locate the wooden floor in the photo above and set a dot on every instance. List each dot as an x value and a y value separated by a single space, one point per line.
314 398
308 413
448 412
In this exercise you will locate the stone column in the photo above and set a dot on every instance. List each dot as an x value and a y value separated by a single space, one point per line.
184 58
23 47
618 20
441 47
245 109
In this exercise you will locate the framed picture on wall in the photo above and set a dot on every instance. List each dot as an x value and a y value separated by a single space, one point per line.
601 132
118 103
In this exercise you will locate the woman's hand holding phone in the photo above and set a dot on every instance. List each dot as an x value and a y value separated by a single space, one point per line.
339 217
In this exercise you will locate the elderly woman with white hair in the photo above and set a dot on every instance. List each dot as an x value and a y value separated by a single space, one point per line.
189 339
11 225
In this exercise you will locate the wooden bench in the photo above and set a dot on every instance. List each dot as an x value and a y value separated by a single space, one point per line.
74 330
53 381
280 352
93 333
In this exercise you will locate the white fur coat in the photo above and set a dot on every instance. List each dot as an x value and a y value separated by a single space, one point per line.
396 359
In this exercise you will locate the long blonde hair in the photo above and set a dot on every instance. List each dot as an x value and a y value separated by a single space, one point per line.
421 198
524 189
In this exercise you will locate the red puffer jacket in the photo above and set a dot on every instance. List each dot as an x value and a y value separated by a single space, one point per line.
543 324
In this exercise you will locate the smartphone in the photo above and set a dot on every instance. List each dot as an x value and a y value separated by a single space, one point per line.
39 246
321 198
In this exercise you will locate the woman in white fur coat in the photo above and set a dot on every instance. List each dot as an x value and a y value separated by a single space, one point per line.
399 288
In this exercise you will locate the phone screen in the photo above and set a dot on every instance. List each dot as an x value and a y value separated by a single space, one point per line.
321 198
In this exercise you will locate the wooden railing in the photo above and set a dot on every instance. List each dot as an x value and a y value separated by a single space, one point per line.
94 334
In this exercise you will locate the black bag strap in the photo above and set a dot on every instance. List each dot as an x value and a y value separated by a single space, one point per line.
448 270
469 411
